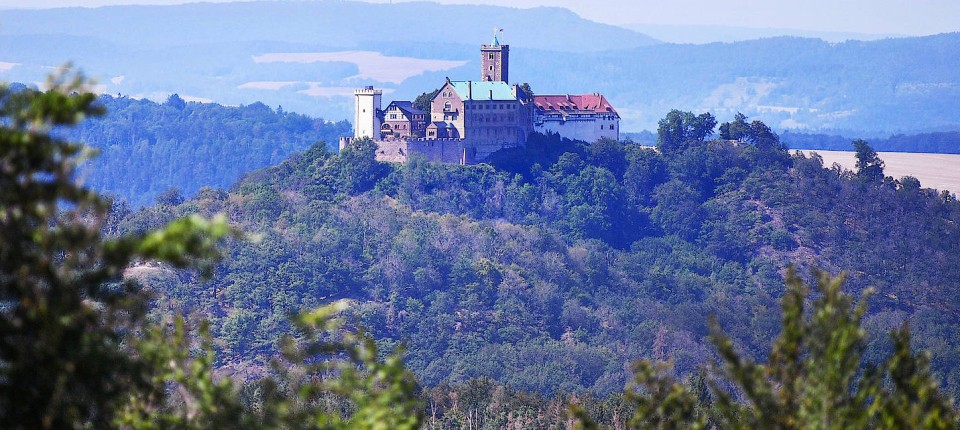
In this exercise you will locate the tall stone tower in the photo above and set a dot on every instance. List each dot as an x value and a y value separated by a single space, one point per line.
495 61
366 117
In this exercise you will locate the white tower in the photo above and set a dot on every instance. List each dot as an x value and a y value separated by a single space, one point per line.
366 121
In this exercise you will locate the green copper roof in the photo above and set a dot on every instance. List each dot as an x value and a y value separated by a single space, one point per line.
482 90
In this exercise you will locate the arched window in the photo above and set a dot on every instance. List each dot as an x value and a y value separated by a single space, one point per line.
446 106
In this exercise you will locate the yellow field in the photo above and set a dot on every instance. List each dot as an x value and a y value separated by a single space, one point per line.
940 171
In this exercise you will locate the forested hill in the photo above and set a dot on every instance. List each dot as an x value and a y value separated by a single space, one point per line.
147 148
559 265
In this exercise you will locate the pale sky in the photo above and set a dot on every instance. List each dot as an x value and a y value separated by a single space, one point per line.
910 17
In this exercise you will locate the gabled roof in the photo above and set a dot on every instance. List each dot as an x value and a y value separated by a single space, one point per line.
442 125
484 90
567 103
405 106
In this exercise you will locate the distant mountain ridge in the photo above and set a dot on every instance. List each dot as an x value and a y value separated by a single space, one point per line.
342 24
206 51
700 34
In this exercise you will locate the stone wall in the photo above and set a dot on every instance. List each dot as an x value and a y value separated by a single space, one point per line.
453 151
392 150
587 129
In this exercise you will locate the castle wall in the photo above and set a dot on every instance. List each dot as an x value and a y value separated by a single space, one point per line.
455 151
493 125
392 150
588 129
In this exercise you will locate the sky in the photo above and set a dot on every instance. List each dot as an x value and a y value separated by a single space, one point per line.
906 17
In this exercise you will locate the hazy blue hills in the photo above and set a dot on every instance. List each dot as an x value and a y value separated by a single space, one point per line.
308 57
146 148
342 24
880 87
728 33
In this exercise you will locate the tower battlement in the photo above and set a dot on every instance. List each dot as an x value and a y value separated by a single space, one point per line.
495 62
367 90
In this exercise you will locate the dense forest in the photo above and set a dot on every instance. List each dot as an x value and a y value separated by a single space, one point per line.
147 148
79 350
554 267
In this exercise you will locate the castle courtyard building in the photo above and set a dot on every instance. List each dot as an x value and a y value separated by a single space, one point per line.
492 114
401 119
586 117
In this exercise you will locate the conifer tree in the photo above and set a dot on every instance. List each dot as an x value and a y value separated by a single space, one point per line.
814 377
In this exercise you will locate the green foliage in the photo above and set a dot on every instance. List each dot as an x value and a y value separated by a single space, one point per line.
147 149
549 269
423 101
814 378
183 392
681 130
66 309
75 348
738 129
382 394
321 383
869 164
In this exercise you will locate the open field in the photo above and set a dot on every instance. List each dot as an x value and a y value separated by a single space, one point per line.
372 65
940 171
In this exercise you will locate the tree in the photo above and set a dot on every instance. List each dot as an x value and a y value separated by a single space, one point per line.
680 130
330 378
423 101
176 102
526 89
75 349
738 129
169 197
356 169
869 164
815 377
66 307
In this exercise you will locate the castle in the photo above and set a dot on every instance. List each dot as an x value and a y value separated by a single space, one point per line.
470 120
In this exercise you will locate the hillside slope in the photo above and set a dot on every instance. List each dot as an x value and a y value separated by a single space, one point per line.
146 148
559 267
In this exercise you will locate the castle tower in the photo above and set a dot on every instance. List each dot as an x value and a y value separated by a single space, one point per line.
495 61
366 118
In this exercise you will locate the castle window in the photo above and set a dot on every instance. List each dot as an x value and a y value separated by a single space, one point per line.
490 56
491 68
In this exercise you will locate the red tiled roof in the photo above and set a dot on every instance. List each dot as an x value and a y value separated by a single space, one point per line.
568 102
